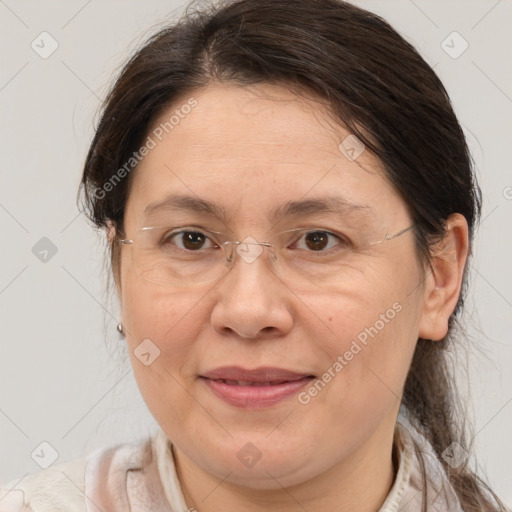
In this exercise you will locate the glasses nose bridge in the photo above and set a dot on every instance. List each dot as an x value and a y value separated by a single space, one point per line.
248 250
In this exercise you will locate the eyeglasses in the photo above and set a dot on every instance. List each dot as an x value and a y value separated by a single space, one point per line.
187 255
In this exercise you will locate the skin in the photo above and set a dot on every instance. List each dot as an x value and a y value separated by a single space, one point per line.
249 149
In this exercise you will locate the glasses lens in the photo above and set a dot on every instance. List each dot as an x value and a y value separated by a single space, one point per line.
303 258
171 257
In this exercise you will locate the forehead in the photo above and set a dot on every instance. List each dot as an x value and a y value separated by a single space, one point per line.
251 149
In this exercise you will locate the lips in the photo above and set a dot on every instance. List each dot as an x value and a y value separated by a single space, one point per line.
258 388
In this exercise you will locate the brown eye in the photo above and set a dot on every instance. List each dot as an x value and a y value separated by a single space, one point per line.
192 240
188 240
322 242
317 240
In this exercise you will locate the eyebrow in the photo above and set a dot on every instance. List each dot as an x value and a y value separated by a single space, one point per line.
188 203
330 204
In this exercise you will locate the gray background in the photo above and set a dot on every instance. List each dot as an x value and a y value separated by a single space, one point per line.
64 374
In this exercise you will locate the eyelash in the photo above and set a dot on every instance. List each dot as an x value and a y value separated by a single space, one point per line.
342 240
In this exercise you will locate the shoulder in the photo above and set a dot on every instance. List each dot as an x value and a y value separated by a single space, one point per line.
423 479
70 486
57 488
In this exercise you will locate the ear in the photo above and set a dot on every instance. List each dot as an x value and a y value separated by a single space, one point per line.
110 231
444 278
111 239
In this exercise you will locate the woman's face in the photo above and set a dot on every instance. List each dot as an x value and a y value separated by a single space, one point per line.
273 372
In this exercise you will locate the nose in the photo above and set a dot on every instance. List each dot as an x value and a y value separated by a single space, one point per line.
251 300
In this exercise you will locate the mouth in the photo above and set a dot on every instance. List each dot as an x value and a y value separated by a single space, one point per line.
256 389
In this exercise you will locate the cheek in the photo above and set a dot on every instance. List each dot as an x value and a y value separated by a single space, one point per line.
169 320
157 312
374 329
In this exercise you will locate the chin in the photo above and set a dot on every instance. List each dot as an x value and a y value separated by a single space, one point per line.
270 475
262 464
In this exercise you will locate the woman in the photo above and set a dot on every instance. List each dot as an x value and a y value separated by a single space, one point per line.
289 203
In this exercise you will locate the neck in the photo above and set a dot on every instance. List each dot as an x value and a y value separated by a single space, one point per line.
359 483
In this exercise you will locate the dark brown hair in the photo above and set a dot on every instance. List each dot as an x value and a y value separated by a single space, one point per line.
375 83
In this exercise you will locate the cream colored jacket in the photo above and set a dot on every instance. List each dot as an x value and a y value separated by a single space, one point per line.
141 477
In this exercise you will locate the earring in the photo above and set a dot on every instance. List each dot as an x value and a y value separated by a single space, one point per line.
120 330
